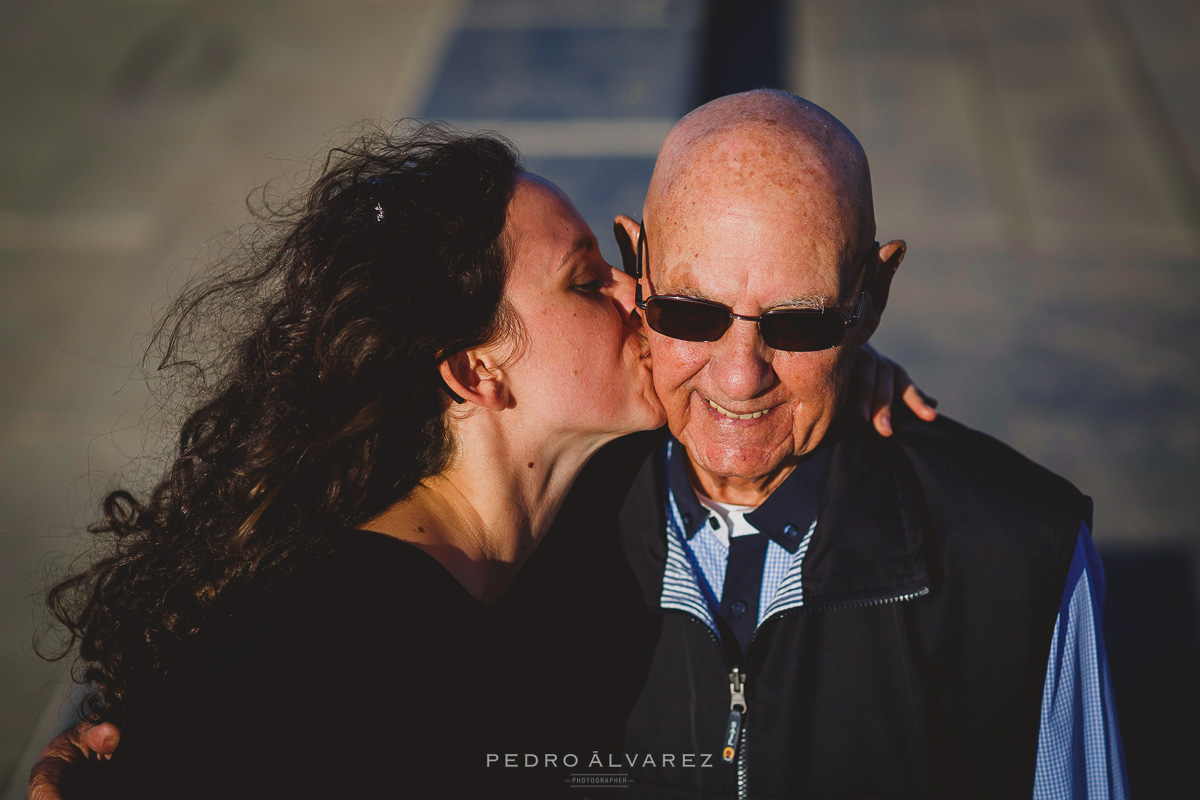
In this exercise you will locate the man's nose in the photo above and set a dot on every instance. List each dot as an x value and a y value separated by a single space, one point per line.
741 362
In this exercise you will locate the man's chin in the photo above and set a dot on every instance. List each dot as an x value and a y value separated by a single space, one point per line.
739 448
738 463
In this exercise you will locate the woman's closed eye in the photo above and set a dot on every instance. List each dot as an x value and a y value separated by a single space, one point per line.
589 280
593 285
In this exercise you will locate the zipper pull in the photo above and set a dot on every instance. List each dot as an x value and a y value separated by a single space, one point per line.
737 707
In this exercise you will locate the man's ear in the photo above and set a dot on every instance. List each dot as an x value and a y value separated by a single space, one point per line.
626 230
887 262
879 282
476 378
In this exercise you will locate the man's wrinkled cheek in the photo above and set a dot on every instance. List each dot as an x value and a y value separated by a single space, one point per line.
675 369
668 390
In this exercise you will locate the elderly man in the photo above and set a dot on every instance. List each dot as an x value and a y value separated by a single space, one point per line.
827 611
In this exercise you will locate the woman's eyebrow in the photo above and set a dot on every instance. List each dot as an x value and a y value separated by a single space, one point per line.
582 243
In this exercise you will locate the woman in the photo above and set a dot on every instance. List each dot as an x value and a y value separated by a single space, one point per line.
427 348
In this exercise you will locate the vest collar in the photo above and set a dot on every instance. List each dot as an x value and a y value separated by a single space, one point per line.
870 538
784 516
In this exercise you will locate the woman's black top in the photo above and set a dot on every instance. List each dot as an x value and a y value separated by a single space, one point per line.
365 669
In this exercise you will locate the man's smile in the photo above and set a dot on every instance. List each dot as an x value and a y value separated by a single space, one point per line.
733 415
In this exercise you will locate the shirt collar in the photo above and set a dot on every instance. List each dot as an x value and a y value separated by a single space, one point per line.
785 516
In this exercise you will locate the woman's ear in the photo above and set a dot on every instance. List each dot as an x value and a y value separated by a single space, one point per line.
474 376
626 230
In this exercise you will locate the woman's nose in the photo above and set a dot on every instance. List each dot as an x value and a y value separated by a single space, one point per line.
623 295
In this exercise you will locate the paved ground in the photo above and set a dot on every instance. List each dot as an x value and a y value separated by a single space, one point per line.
1041 158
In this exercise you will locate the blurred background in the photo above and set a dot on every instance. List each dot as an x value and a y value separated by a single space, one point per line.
1041 157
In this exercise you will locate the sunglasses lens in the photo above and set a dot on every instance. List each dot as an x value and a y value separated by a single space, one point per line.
803 331
689 320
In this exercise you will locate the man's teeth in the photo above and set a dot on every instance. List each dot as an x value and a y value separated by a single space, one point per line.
731 415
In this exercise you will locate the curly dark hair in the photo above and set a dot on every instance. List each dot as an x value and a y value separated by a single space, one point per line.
320 405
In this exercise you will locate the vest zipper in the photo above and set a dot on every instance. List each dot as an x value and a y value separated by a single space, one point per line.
875 601
735 732
743 787
737 707
878 601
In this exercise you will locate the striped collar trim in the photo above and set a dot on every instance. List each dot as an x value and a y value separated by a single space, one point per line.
684 587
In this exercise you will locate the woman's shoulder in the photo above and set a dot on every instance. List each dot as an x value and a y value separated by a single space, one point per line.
360 564
353 585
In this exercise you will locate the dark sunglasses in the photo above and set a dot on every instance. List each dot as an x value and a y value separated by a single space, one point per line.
692 320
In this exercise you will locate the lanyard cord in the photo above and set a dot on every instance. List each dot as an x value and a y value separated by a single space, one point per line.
675 526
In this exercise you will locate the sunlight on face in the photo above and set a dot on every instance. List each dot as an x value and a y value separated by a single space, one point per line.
752 248
585 369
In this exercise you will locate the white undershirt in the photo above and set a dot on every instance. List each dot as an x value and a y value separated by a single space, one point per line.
730 518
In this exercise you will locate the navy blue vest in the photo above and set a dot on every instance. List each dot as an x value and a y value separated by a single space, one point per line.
914 668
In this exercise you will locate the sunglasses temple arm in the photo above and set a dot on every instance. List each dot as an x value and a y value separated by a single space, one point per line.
637 269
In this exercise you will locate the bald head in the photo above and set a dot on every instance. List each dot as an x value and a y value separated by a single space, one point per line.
766 142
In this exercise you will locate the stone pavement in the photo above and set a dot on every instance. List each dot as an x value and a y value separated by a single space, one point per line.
1041 158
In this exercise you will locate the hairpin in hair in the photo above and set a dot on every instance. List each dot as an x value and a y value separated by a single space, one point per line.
372 184
377 181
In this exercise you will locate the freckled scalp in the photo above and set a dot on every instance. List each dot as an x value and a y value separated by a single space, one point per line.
772 142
